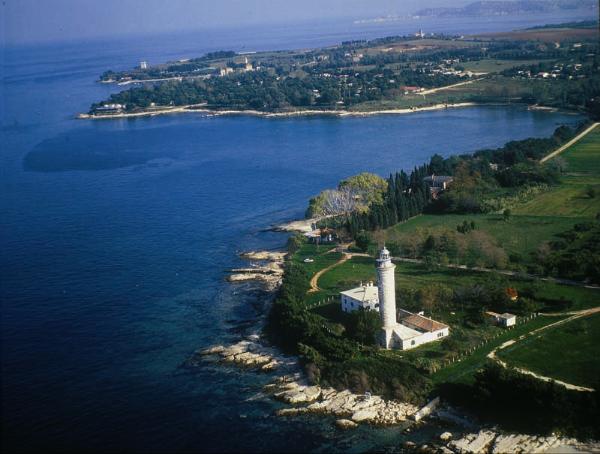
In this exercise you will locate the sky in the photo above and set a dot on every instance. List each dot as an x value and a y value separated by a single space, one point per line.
29 21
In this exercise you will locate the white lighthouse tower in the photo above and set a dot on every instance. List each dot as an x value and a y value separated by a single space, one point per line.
387 296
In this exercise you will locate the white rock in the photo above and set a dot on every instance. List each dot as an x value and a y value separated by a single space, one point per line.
345 424
290 411
364 415
213 350
445 436
473 443
312 393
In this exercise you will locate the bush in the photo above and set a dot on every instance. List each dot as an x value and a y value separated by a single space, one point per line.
363 241
363 326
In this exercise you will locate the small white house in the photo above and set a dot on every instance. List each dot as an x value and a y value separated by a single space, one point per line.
365 297
504 320
416 329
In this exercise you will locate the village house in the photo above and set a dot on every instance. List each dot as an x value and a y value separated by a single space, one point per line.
408 89
323 235
111 107
438 183
504 320
364 297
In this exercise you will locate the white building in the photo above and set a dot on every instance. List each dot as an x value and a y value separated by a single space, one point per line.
504 320
363 297
404 332
143 65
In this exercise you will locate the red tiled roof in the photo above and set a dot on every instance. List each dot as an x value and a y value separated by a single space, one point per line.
422 323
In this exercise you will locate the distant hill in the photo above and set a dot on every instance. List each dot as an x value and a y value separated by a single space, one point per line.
511 8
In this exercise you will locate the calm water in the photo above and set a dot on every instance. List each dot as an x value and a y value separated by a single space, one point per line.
115 238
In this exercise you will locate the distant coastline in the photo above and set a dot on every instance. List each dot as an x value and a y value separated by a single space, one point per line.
294 113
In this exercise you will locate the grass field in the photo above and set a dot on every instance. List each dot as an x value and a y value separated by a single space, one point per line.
415 276
569 352
520 235
496 89
464 370
570 198
492 65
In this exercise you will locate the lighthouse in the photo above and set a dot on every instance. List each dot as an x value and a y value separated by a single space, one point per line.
387 296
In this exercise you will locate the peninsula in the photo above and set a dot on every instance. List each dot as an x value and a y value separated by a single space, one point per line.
553 67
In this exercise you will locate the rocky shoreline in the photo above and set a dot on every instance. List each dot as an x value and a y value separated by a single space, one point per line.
266 268
289 385
492 442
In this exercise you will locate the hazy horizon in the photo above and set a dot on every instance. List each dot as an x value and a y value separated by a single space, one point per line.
34 21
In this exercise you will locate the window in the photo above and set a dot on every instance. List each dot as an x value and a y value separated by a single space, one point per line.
412 343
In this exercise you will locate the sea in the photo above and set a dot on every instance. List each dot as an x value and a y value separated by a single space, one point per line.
116 237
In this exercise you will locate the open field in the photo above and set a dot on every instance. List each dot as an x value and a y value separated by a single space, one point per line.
550 35
569 353
413 276
496 89
320 254
570 198
464 370
494 66
520 235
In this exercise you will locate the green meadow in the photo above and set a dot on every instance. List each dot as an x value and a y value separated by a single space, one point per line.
569 352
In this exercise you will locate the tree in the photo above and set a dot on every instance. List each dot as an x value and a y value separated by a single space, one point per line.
363 240
363 326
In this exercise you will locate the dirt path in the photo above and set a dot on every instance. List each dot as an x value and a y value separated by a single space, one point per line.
315 279
569 143
314 287
575 315
435 90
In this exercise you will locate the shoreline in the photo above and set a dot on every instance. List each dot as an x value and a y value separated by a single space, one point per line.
295 113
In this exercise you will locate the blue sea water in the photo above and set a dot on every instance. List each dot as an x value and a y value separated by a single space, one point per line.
115 237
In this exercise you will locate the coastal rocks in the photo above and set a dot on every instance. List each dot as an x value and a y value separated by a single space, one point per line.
473 443
268 273
344 404
446 436
302 226
345 424
264 255
523 443
486 441
247 353
299 394
290 411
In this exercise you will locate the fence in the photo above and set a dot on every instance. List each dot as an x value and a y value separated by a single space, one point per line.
459 356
